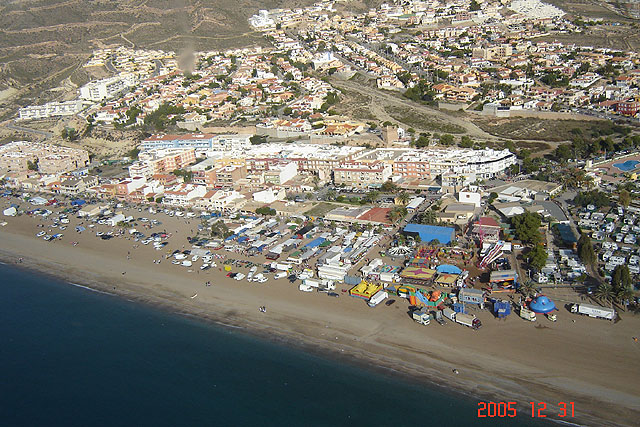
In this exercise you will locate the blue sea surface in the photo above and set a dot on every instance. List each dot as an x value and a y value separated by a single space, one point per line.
74 357
627 166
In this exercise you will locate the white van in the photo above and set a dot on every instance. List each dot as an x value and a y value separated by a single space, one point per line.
280 275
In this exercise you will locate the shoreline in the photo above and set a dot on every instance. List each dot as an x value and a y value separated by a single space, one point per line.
471 386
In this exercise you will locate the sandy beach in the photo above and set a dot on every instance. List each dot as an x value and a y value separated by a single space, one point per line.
590 362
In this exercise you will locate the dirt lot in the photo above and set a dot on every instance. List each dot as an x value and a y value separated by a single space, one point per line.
529 128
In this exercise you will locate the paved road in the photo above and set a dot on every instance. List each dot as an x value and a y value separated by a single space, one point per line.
29 130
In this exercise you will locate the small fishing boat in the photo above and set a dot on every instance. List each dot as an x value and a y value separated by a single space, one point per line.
194 295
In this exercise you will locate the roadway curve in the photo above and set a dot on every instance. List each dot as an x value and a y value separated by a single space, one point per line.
379 99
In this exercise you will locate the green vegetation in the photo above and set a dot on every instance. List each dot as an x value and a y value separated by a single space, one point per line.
159 119
70 134
258 139
585 250
537 257
220 229
32 166
388 187
593 197
265 210
624 197
421 92
526 227
187 176
133 154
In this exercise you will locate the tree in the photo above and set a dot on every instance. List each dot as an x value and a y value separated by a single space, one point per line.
396 214
474 6
526 227
258 139
404 198
593 197
265 210
624 197
69 133
527 288
133 154
537 257
621 279
389 187
604 292
563 152
446 139
493 196
32 166
585 250
466 142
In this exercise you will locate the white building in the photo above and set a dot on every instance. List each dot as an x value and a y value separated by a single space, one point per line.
51 109
469 197
269 196
183 194
281 173
106 88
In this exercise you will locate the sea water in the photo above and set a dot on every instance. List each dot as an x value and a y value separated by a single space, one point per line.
74 357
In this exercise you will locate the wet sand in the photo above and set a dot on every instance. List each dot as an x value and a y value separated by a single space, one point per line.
591 362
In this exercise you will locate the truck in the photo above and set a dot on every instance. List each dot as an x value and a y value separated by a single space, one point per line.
280 275
328 285
527 314
468 320
280 266
449 314
594 311
464 319
311 282
377 298
305 288
421 316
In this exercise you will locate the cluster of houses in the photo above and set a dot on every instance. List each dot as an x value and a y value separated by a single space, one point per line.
622 228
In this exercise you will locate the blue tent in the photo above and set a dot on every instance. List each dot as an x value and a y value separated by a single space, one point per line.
429 233
315 242
542 304
448 269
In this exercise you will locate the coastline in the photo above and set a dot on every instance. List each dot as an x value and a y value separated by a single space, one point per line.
479 379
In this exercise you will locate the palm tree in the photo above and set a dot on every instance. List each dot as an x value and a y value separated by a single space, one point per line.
404 198
605 293
623 294
527 288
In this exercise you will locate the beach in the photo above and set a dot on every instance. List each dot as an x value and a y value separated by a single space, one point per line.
587 361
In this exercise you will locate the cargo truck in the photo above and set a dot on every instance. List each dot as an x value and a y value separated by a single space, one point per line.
468 320
462 318
527 314
594 311
421 316
377 298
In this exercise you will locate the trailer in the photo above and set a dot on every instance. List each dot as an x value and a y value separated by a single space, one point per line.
594 311
449 314
468 320
311 282
377 298
280 266
421 316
